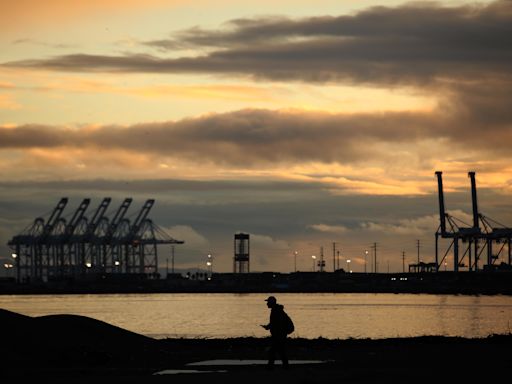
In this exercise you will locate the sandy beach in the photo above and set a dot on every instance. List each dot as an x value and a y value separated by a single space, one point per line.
60 348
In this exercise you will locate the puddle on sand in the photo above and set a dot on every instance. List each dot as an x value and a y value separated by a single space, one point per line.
186 371
251 362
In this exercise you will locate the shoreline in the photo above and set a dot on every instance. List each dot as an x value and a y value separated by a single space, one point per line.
63 347
461 283
139 290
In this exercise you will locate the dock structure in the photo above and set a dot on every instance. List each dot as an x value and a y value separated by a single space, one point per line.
82 246
484 239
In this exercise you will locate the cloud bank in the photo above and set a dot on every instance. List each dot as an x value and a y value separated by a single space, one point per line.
417 43
249 138
461 54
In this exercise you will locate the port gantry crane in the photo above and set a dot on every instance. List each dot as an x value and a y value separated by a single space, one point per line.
33 248
477 238
127 236
58 249
93 251
70 245
108 255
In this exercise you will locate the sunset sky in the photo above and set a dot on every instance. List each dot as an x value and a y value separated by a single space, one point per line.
300 122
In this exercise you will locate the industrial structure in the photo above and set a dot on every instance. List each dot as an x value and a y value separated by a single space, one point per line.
84 245
241 258
485 239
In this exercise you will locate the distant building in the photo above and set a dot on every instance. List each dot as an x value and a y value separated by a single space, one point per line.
422 267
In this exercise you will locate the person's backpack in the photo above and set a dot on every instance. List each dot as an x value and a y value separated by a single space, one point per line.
288 323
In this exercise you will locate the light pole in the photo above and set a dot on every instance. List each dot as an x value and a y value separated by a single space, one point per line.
209 264
365 257
16 261
295 260
348 266
314 259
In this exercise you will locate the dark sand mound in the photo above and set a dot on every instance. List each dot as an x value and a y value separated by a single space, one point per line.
63 343
67 347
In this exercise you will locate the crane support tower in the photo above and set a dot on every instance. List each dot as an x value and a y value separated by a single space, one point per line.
470 241
242 249
82 248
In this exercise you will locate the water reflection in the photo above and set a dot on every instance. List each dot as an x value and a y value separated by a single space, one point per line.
315 315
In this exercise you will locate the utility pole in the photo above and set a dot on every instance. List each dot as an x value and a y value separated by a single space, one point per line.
418 245
333 256
403 261
374 246
322 262
166 267
172 259
338 260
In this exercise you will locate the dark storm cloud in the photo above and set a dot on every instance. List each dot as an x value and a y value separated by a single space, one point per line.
246 137
30 136
412 44
424 21
258 137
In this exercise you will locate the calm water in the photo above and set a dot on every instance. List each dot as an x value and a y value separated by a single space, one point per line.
315 315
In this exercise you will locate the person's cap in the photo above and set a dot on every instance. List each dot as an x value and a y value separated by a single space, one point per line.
271 299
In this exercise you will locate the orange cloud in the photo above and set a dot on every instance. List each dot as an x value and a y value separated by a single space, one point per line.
71 163
218 91
8 102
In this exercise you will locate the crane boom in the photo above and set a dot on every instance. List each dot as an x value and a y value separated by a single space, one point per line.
77 216
142 215
100 212
442 214
54 217
120 214
476 224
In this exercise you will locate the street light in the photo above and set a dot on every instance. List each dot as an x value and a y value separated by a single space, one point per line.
16 262
209 264
348 266
314 259
365 257
295 259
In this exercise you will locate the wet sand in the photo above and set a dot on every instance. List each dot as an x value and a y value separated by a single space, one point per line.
60 348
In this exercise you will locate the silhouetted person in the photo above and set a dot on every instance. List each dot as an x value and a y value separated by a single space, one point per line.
278 332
